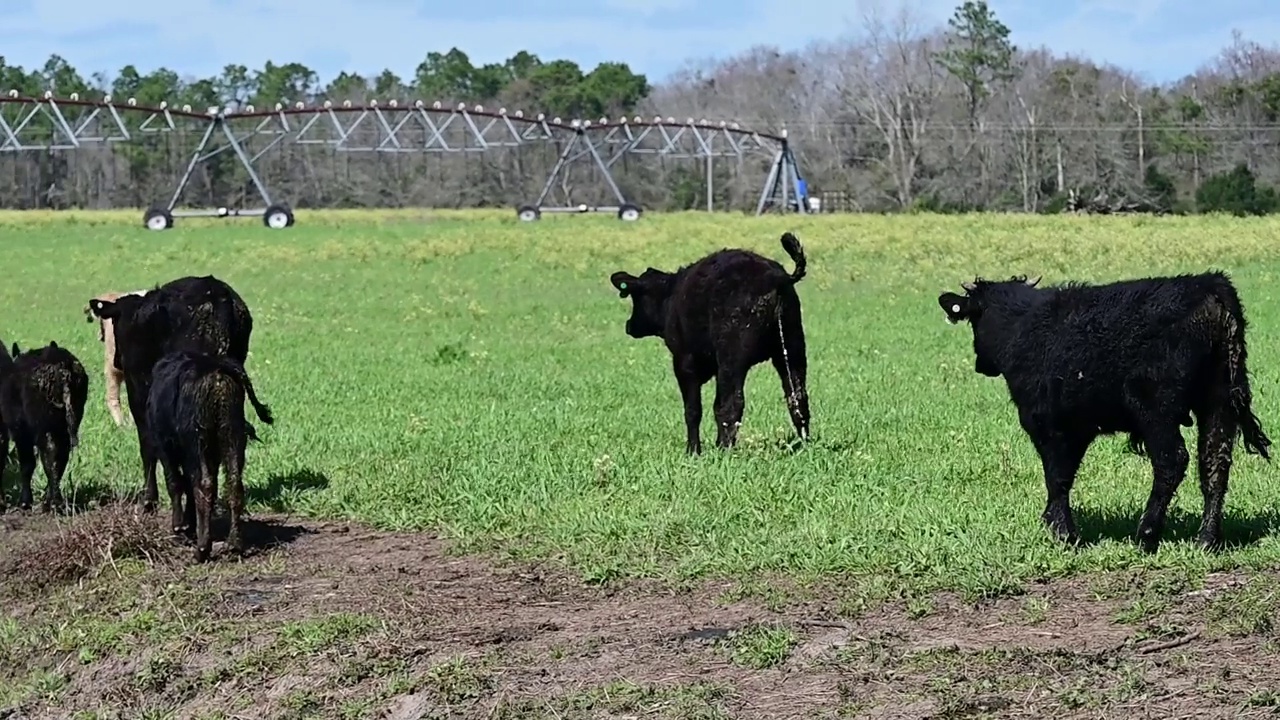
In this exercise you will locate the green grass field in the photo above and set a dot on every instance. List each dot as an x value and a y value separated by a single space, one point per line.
468 373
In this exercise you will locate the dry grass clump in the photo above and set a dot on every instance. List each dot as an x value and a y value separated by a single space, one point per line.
82 546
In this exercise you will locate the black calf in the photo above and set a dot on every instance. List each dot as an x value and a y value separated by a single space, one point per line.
1136 357
195 422
42 397
719 317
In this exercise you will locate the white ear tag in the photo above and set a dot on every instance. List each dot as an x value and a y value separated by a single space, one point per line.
955 308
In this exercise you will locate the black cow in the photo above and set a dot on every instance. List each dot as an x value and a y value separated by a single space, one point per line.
719 317
1133 357
195 421
201 314
42 396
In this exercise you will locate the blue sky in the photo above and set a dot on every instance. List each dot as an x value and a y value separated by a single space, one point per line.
1163 39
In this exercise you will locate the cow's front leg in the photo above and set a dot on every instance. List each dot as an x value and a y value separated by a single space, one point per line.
150 492
1060 457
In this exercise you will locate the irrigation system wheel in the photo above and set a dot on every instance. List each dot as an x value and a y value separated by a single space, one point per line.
157 218
629 213
277 217
528 213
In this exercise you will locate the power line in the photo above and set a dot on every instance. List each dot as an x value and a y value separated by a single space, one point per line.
795 126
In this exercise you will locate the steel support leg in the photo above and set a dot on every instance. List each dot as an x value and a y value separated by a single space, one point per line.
793 180
770 182
555 170
710 188
244 160
608 176
191 167
784 179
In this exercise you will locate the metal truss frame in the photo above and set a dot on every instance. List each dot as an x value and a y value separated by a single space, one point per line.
72 123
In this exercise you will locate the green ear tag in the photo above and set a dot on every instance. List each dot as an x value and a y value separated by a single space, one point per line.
622 286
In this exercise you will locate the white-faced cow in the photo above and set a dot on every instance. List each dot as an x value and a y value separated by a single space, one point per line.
201 314
112 374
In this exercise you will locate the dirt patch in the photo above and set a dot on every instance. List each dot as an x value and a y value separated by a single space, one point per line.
332 620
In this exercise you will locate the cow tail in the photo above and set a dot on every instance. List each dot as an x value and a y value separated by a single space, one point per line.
791 244
236 370
68 409
1240 395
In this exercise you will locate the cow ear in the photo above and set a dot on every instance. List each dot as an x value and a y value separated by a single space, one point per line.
957 307
625 282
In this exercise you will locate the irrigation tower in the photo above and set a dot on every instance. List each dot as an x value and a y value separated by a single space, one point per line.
581 148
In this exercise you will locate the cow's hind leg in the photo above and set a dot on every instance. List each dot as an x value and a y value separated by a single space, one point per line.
1217 434
173 483
113 396
730 402
791 369
233 461
4 462
204 513
790 360
1060 457
54 453
1169 460
206 496
26 469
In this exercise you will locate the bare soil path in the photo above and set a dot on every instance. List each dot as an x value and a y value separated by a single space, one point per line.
104 617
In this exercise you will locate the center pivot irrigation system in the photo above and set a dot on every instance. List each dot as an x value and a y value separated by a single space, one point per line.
73 123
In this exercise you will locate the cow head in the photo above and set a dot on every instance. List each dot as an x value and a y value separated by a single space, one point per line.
89 315
139 325
988 327
650 294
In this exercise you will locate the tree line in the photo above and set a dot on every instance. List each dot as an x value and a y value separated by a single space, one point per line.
899 116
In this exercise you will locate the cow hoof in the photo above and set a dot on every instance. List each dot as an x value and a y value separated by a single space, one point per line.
1211 544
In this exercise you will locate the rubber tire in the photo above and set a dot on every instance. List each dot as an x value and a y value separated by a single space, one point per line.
157 212
277 210
628 209
528 213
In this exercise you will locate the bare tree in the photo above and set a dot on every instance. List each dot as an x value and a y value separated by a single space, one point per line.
890 82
